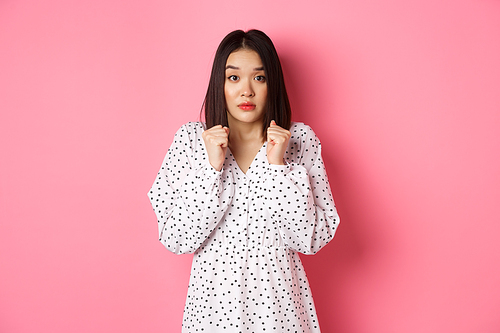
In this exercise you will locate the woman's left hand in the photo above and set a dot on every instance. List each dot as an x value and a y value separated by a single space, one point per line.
277 142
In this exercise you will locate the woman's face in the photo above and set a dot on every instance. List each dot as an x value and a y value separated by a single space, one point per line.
245 87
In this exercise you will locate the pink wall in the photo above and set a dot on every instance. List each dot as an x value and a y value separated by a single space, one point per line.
405 96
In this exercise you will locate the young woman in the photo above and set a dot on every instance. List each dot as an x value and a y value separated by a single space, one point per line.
245 192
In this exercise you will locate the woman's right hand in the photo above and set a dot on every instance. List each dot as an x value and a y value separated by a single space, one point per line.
216 142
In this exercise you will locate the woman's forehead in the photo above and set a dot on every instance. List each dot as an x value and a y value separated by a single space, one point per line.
244 58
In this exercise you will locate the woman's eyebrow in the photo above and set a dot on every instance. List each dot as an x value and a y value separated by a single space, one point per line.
234 67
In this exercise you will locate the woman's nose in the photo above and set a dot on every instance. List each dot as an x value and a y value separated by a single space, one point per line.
246 90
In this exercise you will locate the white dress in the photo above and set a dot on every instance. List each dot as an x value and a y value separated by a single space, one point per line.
245 231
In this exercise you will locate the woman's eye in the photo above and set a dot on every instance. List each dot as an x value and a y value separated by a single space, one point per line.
260 78
232 78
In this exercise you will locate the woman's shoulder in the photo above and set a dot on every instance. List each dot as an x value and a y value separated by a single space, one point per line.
193 126
298 129
190 134
191 129
303 146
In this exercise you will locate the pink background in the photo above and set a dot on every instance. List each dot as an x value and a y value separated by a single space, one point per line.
405 96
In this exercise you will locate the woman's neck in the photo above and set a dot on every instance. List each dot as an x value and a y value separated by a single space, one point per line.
245 133
245 141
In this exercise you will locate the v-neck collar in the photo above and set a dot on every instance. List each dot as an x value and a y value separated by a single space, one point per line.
252 165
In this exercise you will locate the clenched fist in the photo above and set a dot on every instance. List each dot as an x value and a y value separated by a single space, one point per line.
216 142
277 142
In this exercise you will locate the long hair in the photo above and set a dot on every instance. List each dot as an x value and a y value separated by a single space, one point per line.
277 105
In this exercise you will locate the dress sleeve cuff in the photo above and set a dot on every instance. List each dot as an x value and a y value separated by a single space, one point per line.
279 170
211 172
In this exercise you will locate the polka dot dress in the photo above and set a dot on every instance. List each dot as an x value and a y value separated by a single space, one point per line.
245 231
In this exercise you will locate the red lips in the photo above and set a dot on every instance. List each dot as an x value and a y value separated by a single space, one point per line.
246 106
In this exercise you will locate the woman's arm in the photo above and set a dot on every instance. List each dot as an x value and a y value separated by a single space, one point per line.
188 196
300 199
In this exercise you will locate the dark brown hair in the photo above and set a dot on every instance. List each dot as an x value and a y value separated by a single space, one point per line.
277 105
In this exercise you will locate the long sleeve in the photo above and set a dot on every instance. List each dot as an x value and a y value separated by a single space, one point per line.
188 196
299 197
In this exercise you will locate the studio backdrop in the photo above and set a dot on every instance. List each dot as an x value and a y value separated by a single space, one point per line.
404 96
